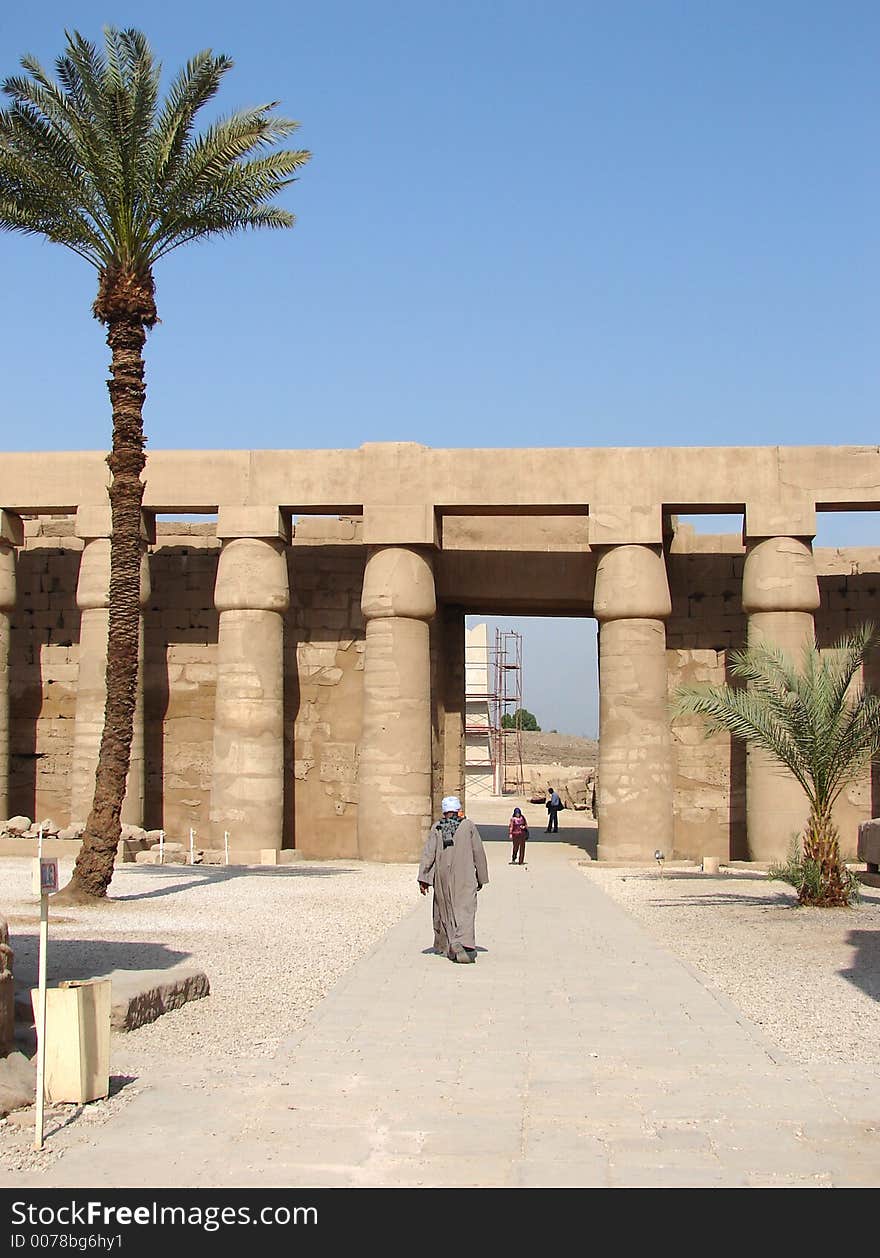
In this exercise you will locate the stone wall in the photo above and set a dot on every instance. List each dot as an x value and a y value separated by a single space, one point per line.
324 660
323 664
180 677
43 669
707 621
324 643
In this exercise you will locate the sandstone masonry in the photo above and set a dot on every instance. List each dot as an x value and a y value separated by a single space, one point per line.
303 646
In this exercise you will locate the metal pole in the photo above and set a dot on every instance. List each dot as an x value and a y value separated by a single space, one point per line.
41 1019
226 845
191 845
161 847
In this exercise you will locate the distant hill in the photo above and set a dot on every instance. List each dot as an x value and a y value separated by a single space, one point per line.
564 749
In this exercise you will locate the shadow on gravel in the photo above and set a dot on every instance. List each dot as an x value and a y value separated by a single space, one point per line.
210 875
65 1115
864 972
84 958
581 838
727 901
77 959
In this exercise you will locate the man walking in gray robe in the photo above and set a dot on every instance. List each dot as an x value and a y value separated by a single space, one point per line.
454 862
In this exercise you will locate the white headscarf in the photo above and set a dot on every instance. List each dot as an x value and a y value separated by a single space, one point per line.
451 803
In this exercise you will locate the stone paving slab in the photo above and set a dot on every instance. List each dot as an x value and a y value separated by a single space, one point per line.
574 1053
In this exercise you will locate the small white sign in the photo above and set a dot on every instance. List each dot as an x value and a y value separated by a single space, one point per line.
45 875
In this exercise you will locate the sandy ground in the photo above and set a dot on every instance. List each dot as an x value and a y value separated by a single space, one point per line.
274 940
543 747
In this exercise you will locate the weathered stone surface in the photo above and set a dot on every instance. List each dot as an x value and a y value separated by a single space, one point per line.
7 992
18 1080
172 854
141 996
869 842
508 562
18 825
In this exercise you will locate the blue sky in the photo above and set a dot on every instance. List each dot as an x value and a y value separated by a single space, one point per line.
556 223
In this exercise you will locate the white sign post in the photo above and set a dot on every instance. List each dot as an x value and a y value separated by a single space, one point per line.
46 877
191 836
161 847
226 845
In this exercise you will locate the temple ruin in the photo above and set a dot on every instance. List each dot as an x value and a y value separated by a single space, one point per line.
304 650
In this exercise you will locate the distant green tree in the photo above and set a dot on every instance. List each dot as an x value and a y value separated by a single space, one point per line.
520 719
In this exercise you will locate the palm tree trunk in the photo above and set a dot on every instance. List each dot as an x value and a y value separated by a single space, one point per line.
822 845
94 865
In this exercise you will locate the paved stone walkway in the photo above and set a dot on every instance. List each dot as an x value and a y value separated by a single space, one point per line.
575 1053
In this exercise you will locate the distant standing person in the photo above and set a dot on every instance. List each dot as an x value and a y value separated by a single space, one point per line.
554 803
454 862
518 832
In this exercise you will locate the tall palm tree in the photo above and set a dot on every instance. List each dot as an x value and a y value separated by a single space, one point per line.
96 161
816 720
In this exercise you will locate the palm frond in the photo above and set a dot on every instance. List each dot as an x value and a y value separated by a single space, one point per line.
809 715
192 89
745 715
94 161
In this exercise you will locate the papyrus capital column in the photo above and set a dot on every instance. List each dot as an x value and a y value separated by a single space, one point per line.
93 525
780 593
252 596
398 602
11 536
635 780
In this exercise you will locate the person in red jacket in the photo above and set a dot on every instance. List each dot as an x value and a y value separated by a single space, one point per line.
518 831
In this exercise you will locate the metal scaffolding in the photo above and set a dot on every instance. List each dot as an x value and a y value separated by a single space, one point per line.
493 691
505 701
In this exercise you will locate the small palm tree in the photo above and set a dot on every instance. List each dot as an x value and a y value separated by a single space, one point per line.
816 721
95 161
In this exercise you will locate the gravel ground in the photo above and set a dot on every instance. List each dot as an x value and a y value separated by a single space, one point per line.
272 940
809 977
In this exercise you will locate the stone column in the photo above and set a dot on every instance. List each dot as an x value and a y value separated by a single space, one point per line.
252 595
448 630
398 603
635 779
780 594
11 535
93 600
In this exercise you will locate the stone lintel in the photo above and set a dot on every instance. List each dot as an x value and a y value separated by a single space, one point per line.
266 523
401 526
779 519
94 520
11 528
621 524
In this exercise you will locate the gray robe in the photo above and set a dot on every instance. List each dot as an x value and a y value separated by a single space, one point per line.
455 873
